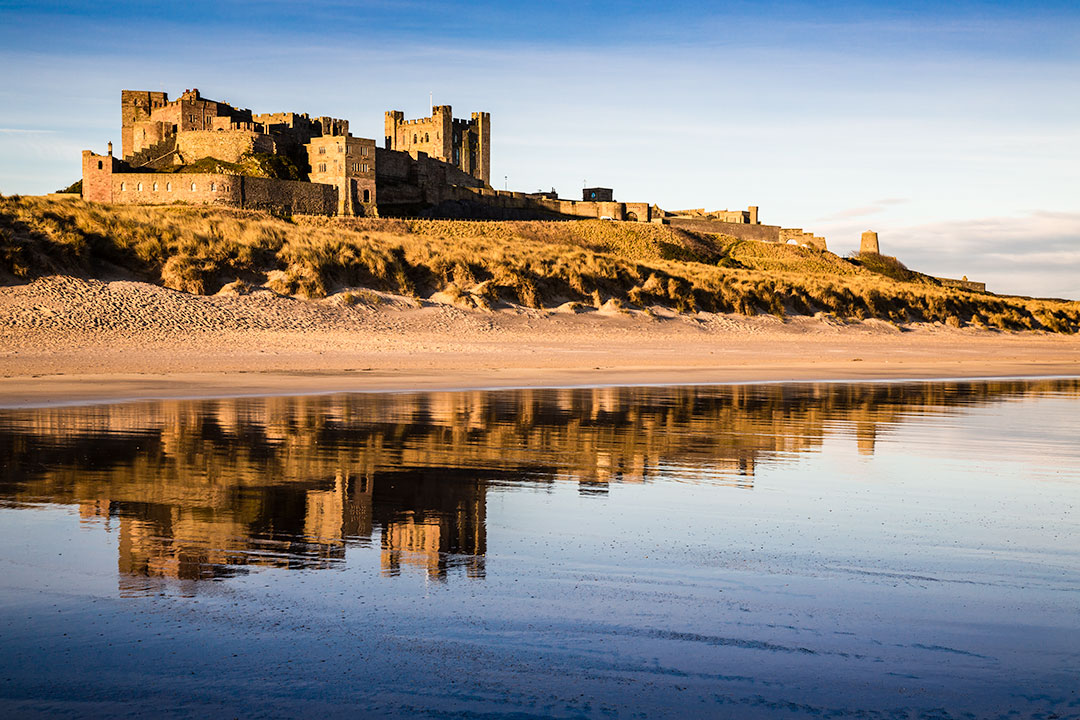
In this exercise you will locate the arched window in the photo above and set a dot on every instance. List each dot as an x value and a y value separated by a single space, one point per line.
100 165
427 137
213 187
155 187
138 187
123 187
414 137
367 196
192 187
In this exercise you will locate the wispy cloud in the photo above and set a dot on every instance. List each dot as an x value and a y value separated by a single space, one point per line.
24 131
1033 254
874 208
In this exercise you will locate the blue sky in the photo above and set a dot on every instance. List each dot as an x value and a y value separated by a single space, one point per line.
951 129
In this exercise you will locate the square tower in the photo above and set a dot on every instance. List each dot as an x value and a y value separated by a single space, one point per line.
465 144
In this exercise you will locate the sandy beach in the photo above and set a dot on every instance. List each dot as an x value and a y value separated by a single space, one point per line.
65 340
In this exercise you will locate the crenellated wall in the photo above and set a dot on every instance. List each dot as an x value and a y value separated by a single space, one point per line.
465 144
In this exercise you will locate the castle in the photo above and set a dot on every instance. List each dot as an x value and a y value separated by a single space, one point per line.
202 151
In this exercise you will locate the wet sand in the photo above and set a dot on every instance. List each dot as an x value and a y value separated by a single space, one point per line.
64 340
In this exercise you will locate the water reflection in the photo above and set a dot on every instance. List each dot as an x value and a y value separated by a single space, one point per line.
200 490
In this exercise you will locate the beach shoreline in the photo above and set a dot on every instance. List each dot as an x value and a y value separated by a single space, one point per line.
110 390
65 341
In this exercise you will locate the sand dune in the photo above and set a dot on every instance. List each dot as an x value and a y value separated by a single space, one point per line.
65 339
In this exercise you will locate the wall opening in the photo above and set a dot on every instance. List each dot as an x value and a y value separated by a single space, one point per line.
367 196
100 165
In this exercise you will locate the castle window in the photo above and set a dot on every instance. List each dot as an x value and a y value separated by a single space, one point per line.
427 137
168 187
138 187
322 149
367 196
99 165
363 151
414 138
213 187
192 187
322 167
155 187
123 187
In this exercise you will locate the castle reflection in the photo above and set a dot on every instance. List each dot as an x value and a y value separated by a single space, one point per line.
199 490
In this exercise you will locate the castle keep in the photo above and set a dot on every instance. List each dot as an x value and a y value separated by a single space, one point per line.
465 144
197 150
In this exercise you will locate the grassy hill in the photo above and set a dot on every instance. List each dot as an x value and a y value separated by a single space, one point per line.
537 264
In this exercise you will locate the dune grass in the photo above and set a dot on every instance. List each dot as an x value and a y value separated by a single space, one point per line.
536 264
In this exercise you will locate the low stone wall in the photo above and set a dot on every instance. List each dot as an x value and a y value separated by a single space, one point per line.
963 284
801 238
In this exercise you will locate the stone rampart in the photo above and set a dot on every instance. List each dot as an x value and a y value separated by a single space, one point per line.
461 201
289 196
406 184
226 145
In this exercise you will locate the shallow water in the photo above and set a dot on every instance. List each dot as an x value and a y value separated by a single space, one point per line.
820 550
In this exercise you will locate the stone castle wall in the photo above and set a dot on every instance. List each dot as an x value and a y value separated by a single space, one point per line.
226 145
103 181
407 181
742 231
165 188
749 231
289 196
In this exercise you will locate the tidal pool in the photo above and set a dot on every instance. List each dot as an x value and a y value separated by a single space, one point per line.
891 550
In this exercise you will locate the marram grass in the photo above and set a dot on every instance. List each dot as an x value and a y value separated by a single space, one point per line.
536 264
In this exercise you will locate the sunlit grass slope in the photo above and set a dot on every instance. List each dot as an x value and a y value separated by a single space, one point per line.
536 264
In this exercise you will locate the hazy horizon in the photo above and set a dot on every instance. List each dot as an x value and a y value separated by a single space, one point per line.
950 131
